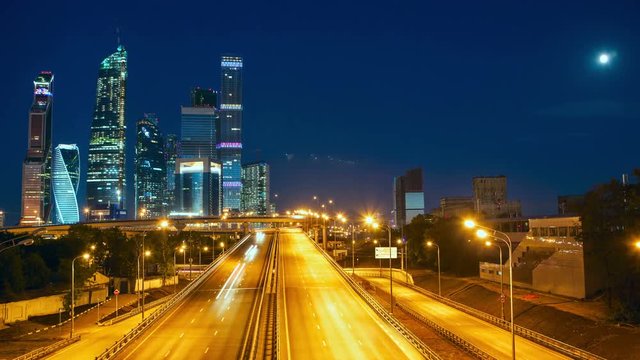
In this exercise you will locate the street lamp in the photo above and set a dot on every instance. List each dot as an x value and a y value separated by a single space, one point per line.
84 256
483 232
24 242
141 292
637 245
488 244
369 220
431 244
222 245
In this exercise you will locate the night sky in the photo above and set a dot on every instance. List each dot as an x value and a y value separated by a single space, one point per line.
342 96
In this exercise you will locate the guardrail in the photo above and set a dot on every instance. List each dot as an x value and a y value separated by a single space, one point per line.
551 343
46 350
381 311
262 323
141 327
135 311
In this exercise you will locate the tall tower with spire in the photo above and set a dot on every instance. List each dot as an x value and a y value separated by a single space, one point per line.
36 169
106 180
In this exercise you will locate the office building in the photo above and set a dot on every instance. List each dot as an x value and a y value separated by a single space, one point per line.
197 188
204 98
229 143
150 169
171 151
1 218
490 198
255 189
408 197
65 178
36 168
456 206
198 126
106 180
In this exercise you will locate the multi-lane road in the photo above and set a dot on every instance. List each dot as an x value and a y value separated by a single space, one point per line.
211 322
323 318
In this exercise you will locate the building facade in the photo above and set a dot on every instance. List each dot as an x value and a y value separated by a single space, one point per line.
197 187
456 206
106 180
229 145
198 128
255 189
171 151
151 172
408 196
490 197
65 179
36 168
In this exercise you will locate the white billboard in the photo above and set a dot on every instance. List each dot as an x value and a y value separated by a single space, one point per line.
383 252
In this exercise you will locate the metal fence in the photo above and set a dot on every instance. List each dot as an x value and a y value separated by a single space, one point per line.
46 350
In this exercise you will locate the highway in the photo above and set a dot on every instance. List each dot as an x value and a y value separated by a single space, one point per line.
210 323
323 317
487 337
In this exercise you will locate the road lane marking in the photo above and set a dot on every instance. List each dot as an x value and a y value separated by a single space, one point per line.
215 333
192 320
181 335
228 279
221 320
167 354
324 343
206 350
201 309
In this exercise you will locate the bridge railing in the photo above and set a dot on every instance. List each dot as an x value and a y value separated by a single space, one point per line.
46 350
381 311
182 294
551 343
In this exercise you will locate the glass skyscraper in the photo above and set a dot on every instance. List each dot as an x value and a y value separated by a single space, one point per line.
171 151
255 189
106 181
229 144
198 127
198 186
36 169
65 178
151 172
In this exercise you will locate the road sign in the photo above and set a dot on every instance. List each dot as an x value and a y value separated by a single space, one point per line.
116 292
383 252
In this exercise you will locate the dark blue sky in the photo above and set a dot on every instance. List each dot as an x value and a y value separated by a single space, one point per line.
354 92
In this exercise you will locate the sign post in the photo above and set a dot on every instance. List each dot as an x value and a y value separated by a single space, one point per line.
116 292
384 252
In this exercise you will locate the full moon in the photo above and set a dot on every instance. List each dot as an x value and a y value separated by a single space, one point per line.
604 59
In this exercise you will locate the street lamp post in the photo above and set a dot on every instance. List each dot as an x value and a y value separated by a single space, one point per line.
430 244
484 232
84 256
375 226
14 243
489 243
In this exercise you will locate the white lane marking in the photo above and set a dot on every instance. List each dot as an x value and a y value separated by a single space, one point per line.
359 342
181 335
192 320
215 333
206 350
314 314
317 326
201 309
221 320
324 343
167 354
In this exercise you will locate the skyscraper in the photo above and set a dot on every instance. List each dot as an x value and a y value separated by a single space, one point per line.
229 144
106 181
151 172
204 97
408 196
64 180
255 188
198 127
171 151
36 169
197 191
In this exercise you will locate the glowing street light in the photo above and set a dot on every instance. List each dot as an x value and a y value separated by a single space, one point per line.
369 220
483 232
84 256
637 244
432 244
489 244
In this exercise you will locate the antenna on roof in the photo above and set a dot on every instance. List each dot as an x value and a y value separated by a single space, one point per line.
118 34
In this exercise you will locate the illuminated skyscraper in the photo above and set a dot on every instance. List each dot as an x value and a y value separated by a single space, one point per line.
151 172
36 169
106 184
171 151
65 178
255 188
198 127
197 191
229 144
408 196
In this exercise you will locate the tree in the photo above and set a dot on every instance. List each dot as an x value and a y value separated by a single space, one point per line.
36 272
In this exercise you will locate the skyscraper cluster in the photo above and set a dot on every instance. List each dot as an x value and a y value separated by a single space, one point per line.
198 173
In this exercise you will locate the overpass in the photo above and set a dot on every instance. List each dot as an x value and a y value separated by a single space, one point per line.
209 224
